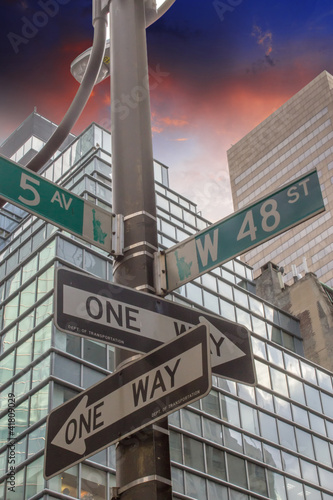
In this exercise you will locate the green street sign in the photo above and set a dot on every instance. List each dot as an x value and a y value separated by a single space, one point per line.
249 227
57 205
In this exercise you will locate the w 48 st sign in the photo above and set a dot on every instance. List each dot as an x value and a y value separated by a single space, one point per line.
246 229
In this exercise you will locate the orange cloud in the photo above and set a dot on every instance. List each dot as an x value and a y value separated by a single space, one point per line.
264 39
174 122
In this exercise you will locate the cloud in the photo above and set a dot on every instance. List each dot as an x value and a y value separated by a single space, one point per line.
264 39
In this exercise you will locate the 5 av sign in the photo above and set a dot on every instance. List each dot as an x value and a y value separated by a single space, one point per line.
246 229
57 205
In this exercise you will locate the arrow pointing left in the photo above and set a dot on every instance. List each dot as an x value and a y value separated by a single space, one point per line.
166 379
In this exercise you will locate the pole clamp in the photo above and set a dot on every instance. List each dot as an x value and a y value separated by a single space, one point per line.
115 493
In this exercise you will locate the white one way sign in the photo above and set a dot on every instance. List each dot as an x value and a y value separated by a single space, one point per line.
137 321
161 382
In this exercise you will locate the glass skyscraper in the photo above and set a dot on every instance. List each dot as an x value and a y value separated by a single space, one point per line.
272 441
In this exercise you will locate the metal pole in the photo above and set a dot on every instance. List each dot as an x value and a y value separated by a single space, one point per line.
143 461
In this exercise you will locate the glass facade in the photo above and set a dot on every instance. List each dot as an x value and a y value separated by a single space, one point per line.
272 441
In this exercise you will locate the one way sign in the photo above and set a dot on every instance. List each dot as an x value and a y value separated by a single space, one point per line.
161 382
138 321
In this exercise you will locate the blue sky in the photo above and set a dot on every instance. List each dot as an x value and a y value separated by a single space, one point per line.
223 66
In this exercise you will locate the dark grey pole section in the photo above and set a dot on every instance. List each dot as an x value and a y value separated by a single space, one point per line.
143 461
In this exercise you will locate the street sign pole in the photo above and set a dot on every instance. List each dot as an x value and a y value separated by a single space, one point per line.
143 462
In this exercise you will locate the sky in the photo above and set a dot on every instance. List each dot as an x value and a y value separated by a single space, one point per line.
218 68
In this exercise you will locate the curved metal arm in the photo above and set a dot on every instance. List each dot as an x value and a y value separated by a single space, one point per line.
82 95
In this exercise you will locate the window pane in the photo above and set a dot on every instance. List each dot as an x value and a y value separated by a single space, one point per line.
277 490
236 470
93 482
193 453
215 462
257 478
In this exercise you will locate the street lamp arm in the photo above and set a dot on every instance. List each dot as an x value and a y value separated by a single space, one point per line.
81 97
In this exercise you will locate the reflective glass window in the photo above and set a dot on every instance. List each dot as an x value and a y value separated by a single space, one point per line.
249 418
215 462
279 382
304 443
282 408
259 348
191 421
312 397
292 364
193 453
10 311
317 424
233 439
296 390
70 253
230 410
257 478
34 478
39 405
272 456
28 297
212 430
268 427
236 470
275 356
93 483
312 494
324 380
276 486
309 472
23 355
22 384
95 352
225 290
259 327
291 464
176 447
67 369
287 435
7 339
264 400
211 302
45 282
322 451
7 368
36 440
210 404
217 491
326 478
263 375
177 477
294 488
252 447
300 415
29 269
327 404
227 310
40 371
308 372
195 486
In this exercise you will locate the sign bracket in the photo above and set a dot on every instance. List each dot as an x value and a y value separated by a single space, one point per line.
160 276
